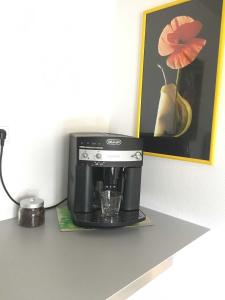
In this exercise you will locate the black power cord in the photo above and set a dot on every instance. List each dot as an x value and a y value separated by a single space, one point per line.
2 141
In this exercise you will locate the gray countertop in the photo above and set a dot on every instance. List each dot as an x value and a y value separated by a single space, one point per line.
44 263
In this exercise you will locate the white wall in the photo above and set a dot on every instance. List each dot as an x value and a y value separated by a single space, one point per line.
55 77
190 191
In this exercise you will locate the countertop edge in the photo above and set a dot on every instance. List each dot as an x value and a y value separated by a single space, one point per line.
141 281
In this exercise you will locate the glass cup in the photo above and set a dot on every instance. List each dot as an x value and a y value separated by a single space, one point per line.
110 203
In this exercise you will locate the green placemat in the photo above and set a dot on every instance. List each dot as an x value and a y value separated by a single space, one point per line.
66 223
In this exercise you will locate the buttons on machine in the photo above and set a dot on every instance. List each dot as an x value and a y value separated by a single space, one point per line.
94 155
98 155
84 155
138 155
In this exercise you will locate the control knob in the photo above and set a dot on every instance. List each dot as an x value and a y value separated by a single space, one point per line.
84 155
98 156
138 155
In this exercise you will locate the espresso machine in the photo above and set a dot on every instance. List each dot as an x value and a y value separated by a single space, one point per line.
104 179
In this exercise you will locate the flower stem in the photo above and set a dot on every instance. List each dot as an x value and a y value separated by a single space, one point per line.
177 81
164 76
178 77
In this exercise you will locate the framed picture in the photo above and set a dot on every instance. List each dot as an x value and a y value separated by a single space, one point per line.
180 78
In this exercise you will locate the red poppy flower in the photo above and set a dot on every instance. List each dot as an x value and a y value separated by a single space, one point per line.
179 40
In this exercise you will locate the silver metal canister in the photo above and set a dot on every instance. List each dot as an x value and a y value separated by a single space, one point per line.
31 212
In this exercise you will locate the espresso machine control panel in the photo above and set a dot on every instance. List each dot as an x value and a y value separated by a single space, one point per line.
107 155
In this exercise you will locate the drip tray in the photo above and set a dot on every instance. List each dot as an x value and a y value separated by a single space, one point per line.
97 220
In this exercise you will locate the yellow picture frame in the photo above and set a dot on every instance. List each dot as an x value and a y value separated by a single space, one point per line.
218 81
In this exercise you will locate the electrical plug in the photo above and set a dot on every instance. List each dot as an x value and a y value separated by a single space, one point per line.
2 136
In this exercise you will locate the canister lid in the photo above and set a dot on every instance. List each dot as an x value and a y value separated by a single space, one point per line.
31 202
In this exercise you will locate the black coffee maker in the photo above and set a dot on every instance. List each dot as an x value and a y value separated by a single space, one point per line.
105 179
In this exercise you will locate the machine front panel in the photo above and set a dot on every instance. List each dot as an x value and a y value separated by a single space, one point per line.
106 155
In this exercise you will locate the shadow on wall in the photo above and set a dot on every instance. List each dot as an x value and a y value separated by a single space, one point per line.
86 123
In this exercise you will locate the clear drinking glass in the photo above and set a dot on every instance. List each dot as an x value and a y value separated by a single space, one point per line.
110 203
